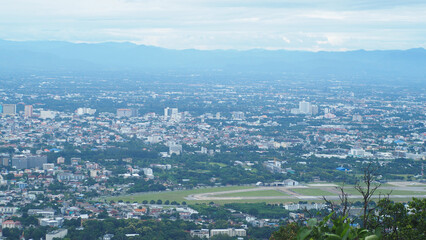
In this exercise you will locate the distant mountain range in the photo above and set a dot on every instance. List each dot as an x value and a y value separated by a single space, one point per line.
64 56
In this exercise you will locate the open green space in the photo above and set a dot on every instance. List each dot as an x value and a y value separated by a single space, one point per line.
177 196
312 192
353 191
218 164
260 193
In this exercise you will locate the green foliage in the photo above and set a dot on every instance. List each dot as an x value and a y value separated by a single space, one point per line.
35 232
222 237
147 229
142 186
399 222
288 231
333 229
12 233
261 210
212 212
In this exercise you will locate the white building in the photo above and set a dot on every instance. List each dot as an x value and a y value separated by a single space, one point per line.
171 113
305 107
232 232
82 111
60 233
357 152
51 222
28 111
238 116
8 210
154 139
175 148
9 109
202 233
124 112
47 114
148 172
11 224
48 166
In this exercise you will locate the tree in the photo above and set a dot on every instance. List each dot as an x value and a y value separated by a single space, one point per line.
341 209
103 215
222 237
11 233
367 188
334 229
288 232
399 222
254 211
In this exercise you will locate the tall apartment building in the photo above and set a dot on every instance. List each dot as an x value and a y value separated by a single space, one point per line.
171 113
28 111
305 108
127 112
9 109
26 162
82 111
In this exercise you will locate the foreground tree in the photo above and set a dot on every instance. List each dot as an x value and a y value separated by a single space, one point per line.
367 187
288 231
396 221
334 229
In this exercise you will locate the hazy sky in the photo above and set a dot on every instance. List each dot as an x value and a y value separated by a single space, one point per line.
221 24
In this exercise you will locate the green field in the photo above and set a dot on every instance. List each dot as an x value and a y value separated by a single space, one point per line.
218 164
312 192
353 191
261 193
399 192
177 196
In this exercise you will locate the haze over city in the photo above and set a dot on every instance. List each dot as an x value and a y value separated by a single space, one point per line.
221 120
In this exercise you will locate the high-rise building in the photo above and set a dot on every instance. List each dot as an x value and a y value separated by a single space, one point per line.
135 112
315 109
4 159
24 162
9 109
82 111
47 114
171 113
127 112
28 112
60 160
305 107
357 118
238 116
124 112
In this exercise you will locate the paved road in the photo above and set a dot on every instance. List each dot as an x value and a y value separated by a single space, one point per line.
293 195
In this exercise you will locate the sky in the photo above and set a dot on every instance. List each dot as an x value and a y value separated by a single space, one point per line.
313 25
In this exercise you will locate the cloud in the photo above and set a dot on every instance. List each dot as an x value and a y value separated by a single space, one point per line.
286 40
225 24
333 40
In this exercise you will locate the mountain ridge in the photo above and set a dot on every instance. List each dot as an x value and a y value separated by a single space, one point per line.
126 56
